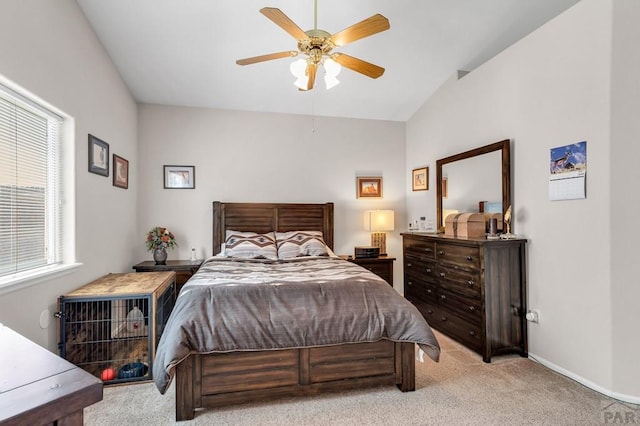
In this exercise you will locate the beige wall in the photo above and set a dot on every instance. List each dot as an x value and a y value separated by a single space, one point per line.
551 89
625 201
261 157
48 48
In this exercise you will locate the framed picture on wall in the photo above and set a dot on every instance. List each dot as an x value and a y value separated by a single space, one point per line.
369 187
98 156
120 172
179 177
420 179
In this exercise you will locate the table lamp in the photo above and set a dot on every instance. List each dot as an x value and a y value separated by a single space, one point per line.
377 222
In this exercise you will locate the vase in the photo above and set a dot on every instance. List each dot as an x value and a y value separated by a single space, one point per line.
160 256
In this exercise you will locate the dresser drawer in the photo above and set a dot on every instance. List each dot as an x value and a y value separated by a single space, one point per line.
467 332
428 310
459 281
420 248
419 289
383 270
382 266
464 307
420 268
464 256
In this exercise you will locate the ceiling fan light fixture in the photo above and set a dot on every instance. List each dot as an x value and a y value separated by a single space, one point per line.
301 83
298 68
331 67
317 44
330 81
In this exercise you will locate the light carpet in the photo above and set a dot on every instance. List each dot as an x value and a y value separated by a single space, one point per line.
459 390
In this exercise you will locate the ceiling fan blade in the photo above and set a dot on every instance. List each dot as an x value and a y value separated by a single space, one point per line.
358 65
283 21
270 56
311 72
372 25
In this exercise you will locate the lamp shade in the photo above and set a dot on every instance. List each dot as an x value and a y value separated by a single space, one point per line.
379 220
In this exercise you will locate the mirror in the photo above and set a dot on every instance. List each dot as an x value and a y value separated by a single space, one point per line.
464 180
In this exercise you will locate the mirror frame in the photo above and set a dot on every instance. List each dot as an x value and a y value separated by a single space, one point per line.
505 147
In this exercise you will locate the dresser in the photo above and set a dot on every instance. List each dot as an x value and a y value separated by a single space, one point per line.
472 290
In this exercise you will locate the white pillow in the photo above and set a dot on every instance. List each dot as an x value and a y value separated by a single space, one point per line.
250 245
300 243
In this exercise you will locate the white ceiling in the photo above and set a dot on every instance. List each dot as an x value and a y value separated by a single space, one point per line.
183 52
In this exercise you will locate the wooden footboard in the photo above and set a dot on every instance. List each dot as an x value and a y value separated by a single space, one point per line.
221 379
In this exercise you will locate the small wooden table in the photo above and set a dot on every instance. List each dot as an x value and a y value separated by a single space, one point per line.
184 269
382 266
39 387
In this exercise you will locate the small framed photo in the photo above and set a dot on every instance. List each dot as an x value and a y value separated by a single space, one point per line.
98 156
120 172
369 187
420 179
179 177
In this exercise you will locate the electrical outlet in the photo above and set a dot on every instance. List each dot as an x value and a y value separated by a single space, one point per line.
533 315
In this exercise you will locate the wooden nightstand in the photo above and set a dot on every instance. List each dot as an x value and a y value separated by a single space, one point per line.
382 266
184 269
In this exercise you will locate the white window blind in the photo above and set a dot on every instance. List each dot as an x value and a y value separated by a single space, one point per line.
30 185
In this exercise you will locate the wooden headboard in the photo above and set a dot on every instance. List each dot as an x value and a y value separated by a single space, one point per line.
266 217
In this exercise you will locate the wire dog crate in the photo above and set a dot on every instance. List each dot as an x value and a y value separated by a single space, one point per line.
111 326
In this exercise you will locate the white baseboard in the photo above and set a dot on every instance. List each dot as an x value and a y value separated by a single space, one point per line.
615 395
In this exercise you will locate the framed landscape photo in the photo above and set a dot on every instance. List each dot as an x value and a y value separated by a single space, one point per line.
369 187
98 156
179 177
120 172
420 179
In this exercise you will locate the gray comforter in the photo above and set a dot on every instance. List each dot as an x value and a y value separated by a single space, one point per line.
240 305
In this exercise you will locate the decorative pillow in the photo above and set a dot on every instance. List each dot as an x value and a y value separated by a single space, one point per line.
300 243
250 245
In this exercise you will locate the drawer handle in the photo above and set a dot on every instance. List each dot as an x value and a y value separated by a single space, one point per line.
429 291
443 319
429 311
469 258
470 283
409 265
428 250
370 269
472 308
428 270
409 283
443 297
441 252
472 333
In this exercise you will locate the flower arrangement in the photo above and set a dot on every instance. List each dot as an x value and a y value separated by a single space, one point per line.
160 237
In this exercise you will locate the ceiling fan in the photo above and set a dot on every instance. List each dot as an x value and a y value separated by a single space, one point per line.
317 46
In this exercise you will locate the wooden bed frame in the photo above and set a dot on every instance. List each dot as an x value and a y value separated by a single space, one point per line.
213 380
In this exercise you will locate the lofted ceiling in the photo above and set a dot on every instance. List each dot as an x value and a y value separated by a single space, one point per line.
183 52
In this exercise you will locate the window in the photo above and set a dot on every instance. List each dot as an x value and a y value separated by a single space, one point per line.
31 211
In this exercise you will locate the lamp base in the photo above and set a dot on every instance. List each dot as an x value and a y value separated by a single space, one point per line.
379 239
